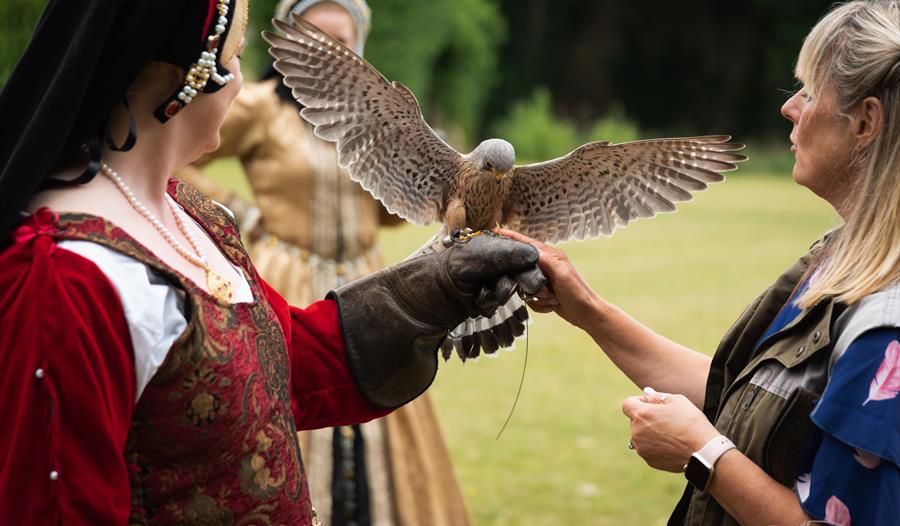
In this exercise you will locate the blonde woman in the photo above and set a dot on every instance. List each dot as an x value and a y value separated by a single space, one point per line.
797 415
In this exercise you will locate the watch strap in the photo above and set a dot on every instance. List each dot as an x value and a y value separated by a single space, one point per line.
715 448
700 467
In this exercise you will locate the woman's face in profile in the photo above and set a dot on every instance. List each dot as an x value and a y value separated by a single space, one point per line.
823 144
333 20
210 109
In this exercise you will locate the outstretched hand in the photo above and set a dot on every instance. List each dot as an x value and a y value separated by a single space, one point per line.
567 293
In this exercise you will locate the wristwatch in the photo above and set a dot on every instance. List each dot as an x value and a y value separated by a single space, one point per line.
700 468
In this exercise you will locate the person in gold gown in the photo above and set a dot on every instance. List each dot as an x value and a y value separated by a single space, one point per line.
310 229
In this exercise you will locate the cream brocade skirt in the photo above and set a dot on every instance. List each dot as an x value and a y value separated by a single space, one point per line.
411 479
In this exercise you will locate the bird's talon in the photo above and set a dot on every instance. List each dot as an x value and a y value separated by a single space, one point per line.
460 236
463 236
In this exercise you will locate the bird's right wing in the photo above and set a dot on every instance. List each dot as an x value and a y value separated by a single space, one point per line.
382 138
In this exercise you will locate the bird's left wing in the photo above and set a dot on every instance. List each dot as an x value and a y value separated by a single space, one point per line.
382 138
602 186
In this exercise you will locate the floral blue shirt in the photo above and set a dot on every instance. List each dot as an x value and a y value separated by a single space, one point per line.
850 471
854 473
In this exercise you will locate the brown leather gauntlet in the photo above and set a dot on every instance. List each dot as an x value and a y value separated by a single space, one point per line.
394 321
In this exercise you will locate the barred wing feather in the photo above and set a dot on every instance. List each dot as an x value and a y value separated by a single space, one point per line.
600 186
382 138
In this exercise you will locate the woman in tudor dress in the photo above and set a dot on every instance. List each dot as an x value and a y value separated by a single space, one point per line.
310 230
149 375
797 416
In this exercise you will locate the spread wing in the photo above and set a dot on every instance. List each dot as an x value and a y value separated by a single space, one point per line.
381 137
602 186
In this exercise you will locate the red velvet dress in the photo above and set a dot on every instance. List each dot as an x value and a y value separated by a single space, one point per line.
212 438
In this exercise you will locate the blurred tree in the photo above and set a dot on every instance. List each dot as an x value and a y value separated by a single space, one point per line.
445 51
538 134
678 67
615 126
534 131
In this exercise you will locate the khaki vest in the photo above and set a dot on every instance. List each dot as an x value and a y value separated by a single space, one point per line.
762 401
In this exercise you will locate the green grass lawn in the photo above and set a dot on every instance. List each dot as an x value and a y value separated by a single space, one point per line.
562 459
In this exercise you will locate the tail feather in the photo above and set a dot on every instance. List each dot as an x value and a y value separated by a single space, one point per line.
514 307
503 333
521 314
447 347
481 334
488 342
517 326
488 335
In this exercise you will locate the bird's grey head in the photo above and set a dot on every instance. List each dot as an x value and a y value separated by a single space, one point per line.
494 156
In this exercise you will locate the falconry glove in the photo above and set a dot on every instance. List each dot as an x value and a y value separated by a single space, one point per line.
395 320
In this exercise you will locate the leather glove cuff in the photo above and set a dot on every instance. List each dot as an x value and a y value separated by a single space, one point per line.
393 352
395 320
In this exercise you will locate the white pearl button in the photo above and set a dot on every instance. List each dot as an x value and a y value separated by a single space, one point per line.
39 374
54 475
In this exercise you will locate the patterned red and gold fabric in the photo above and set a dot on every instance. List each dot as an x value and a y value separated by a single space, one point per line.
212 438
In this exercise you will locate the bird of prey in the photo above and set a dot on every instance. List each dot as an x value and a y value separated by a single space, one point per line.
385 144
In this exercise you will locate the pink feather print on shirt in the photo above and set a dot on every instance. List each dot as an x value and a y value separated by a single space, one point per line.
886 383
836 512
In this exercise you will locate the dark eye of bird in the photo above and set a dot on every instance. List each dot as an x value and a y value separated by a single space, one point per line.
488 166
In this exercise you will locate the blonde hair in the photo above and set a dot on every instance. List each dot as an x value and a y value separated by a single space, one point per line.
855 52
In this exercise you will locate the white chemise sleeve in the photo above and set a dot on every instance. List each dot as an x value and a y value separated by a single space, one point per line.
154 307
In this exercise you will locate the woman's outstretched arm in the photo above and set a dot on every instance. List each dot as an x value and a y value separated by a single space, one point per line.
647 358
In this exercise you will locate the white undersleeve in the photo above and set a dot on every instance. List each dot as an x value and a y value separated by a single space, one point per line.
154 307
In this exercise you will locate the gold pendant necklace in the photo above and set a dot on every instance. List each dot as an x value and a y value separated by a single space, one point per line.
220 288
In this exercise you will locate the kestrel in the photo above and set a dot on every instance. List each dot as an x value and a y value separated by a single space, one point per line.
385 144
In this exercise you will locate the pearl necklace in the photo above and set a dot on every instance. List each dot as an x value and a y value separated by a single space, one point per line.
219 287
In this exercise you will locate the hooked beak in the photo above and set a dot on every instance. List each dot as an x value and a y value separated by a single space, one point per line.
498 175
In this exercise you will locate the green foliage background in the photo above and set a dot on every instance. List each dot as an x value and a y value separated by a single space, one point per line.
445 51
538 134
17 21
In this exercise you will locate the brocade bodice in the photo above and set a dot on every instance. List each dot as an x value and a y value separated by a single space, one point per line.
212 440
